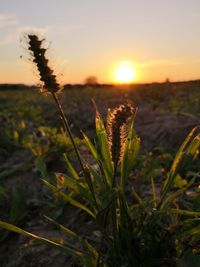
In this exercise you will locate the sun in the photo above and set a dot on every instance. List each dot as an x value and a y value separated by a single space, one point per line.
125 72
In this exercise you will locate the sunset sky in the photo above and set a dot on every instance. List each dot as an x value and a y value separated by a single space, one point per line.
161 38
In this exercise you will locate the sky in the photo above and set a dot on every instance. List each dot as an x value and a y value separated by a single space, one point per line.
90 37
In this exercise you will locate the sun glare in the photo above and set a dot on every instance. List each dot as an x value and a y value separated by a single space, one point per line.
125 72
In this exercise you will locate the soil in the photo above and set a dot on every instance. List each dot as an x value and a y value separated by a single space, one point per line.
154 127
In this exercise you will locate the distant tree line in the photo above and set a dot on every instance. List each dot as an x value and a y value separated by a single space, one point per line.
7 86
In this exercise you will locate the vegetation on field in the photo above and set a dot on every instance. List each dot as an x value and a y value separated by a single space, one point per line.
131 206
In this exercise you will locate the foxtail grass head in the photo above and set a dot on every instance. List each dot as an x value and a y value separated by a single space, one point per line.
37 51
117 128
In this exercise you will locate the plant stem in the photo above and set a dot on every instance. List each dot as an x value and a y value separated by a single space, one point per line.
114 182
67 129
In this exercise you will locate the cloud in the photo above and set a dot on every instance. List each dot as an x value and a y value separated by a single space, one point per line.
8 39
12 30
8 26
160 62
8 20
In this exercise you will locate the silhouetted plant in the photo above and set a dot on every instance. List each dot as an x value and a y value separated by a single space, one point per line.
134 231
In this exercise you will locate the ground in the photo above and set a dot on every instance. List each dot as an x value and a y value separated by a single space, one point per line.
166 113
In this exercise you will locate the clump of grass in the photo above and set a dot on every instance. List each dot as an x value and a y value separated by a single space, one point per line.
134 231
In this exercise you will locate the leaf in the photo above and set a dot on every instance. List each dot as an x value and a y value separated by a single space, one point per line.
136 196
102 215
164 202
132 147
189 233
154 192
71 169
99 162
83 242
77 187
69 198
91 147
87 177
102 142
172 173
2 191
179 182
40 166
125 218
180 152
185 212
194 146
66 248
18 205
97 178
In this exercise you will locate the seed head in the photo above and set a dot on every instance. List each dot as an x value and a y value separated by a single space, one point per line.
117 129
46 73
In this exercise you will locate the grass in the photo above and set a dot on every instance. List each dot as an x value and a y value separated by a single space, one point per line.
126 226
143 209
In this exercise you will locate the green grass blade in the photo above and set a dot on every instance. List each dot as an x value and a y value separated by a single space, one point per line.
132 147
98 160
91 147
71 169
185 212
181 151
69 199
82 241
195 231
164 202
102 142
77 187
66 248
172 173
18 205
125 218
154 192
194 146
136 196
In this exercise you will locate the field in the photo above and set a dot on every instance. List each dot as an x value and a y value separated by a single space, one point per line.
32 142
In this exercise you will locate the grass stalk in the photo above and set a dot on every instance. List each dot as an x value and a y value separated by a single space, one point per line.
68 130
52 86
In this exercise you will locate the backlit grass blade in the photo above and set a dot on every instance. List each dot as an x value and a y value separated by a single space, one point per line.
194 146
98 159
102 142
168 200
125 218
195 231
66 248
91 250
18 205
180 152
77 187
136 196
71 169
172 173
132 147
68 198
154 192
185 212
91 147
